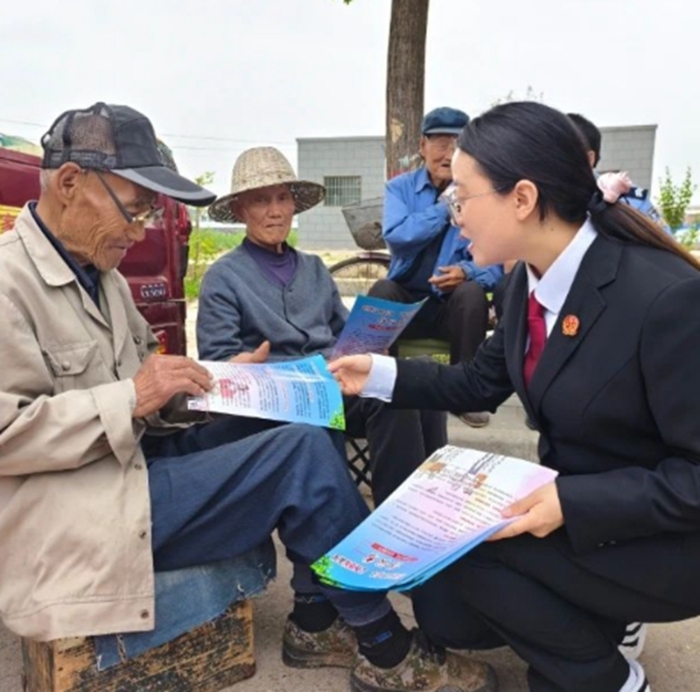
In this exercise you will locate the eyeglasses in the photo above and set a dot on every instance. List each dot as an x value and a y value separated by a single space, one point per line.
455 204
442 143
145 217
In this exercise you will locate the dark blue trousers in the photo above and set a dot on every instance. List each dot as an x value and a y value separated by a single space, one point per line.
220 489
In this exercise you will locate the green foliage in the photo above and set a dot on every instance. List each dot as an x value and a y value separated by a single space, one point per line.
691 238
674 199
201 249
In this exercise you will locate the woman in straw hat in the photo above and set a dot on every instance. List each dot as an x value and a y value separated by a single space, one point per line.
259 168
266 300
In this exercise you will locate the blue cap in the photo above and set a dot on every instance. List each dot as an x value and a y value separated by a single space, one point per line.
444 121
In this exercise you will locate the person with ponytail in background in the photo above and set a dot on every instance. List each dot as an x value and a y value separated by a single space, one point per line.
600 342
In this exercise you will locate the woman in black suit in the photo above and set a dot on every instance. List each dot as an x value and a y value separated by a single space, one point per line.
600 338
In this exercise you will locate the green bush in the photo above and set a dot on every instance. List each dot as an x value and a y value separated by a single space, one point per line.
674 199
689 238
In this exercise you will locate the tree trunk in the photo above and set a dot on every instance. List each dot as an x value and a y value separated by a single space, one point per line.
405 81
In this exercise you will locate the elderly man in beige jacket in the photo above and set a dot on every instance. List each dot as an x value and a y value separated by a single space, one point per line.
97 490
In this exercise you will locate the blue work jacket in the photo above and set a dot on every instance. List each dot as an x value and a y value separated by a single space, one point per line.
412 218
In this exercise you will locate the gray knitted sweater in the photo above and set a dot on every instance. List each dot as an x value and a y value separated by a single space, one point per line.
239 307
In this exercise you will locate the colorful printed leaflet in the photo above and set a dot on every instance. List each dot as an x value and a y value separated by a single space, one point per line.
373 325
297 391
449 505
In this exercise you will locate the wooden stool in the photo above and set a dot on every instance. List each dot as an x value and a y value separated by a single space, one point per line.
206 659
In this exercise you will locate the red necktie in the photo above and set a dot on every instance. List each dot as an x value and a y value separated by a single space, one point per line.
537 329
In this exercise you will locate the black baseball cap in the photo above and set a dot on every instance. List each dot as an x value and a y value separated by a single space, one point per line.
122 141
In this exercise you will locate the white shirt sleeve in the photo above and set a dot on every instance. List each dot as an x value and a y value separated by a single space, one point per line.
381 379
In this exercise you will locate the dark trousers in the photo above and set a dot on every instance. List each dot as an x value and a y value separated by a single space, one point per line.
460 317
399 440
219 490
535 596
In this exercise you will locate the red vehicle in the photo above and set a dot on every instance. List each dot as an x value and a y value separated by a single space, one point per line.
155 268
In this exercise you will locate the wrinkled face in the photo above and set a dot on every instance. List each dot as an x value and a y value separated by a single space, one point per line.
91 226
267 214
437 152
486 217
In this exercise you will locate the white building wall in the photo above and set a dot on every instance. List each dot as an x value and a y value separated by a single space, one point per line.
323 228
629 149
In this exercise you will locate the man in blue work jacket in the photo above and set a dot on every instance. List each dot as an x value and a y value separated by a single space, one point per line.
429 259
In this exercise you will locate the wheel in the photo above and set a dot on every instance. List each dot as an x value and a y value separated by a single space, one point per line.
355 276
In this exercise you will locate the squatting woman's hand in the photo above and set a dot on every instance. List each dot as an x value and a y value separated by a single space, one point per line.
541 514
351 372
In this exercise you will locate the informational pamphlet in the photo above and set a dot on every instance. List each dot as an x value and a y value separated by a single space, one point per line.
449 505
373 325
297 391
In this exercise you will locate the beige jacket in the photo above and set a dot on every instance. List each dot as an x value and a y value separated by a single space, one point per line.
75 545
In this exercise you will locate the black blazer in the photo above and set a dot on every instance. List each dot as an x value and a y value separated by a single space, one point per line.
617 406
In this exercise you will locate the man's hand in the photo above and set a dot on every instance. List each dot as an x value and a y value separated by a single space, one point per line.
351 372
541 514
259 355
162 377
450 277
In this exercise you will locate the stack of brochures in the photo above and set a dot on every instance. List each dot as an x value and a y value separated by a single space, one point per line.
449 505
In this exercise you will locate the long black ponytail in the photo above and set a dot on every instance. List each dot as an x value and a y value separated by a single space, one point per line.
530 141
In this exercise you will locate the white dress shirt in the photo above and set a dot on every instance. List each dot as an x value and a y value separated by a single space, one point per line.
550 290
553 287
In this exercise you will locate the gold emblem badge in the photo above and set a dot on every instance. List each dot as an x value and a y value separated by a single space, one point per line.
570 325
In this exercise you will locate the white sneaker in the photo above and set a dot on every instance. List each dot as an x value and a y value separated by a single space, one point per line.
632 643
637 680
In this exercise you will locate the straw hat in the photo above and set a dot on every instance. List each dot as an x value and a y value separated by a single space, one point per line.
261 167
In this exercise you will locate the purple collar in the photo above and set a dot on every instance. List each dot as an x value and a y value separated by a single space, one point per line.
278 267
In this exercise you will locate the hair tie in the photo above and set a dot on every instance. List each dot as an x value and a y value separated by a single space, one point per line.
597 204
614 185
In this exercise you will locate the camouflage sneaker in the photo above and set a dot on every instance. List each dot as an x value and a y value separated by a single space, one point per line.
426 668
334 647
